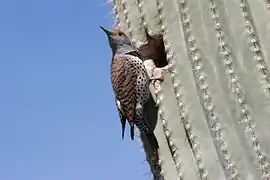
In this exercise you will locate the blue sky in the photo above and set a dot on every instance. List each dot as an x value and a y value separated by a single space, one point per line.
57 114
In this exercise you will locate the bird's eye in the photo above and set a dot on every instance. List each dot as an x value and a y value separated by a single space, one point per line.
120 33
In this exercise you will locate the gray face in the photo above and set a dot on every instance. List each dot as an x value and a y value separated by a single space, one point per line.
118 40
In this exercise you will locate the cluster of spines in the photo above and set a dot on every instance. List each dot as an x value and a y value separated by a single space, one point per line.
255 47
116 19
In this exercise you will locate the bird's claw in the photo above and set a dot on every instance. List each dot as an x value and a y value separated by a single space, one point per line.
158 73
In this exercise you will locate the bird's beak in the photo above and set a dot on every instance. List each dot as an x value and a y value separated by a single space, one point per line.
109 33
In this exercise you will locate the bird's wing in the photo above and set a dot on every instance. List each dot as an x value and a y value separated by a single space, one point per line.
123 120
121 117
124 78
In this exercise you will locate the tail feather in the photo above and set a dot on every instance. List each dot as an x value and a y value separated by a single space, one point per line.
123 122
152 140
122 117
132 131
142 124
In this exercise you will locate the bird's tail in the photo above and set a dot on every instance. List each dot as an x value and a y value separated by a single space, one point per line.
145 129
152 140
132 131
123 122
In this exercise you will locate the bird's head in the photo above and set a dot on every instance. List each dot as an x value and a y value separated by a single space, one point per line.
154 49
155 40
118 40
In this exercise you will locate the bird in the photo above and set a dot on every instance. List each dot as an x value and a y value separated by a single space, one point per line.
130 83
154 50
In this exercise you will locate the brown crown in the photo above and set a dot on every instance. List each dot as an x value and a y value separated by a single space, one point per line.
117 31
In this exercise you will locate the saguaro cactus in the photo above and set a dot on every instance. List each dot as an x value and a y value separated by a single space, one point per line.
214 108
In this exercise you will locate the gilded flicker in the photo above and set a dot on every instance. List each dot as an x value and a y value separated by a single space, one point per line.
130 83
154 49
154 52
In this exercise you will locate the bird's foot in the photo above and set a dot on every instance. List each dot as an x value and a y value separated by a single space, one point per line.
158 74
